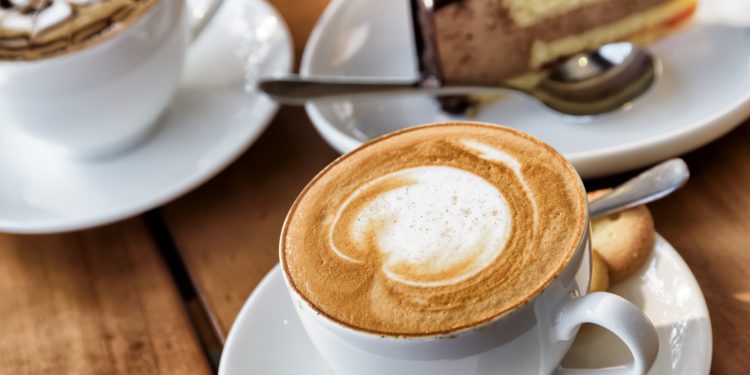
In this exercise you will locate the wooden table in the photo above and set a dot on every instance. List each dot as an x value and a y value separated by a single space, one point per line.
157 294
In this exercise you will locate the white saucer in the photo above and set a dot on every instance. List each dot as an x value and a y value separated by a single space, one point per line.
214 117
268 338
704 90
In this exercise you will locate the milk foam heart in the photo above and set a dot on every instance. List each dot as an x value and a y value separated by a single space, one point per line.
32 29
25 17
437 225
432 229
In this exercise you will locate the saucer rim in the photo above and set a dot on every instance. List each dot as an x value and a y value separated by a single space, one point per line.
662 248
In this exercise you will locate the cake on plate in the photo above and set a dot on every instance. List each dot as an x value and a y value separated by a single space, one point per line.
490 42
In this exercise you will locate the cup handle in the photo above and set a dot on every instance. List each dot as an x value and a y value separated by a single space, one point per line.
201 14
618 316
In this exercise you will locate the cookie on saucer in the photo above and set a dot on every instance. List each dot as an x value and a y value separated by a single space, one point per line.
599 274
624 239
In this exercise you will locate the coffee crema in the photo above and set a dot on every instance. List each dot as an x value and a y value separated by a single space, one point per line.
433 229
35 29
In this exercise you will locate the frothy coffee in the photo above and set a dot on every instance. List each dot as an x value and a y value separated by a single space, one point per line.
35 29
433 229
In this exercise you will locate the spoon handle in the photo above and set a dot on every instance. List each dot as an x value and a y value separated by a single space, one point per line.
295 90
648 186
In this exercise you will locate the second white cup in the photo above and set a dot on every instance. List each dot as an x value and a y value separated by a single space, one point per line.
107 97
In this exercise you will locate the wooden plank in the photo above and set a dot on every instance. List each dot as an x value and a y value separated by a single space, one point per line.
93 302
301 17
708 222
228 230
254 194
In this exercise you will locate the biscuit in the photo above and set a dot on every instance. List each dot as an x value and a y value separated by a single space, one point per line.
599 274
624 239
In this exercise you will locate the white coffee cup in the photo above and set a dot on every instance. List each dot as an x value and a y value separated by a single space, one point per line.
107 97
532 339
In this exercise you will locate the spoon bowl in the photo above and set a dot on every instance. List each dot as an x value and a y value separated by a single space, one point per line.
597 82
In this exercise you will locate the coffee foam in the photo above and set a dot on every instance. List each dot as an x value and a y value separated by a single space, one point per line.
431 225
33 29
489 153
433 229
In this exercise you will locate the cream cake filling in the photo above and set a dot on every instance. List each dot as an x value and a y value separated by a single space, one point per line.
543 52
529 12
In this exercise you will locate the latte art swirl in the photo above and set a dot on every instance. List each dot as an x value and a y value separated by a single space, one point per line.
433 229
430 225
35 17
31 29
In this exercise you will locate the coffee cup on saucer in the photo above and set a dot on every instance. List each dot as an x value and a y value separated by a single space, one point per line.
456 248
91 77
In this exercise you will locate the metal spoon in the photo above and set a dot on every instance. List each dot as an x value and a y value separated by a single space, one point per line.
584 84
655 183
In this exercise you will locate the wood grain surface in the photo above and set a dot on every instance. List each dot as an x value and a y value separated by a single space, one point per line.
708 222
243 228
300 16
93 302
228 230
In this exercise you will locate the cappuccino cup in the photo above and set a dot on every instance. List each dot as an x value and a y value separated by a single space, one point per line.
453 248
91 77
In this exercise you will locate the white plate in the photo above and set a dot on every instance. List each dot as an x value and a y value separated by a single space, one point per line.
268 338
214 117
704 90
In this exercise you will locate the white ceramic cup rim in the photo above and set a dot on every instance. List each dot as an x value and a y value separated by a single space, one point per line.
580 246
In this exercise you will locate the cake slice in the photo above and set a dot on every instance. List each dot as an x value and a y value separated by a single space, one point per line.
488 42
